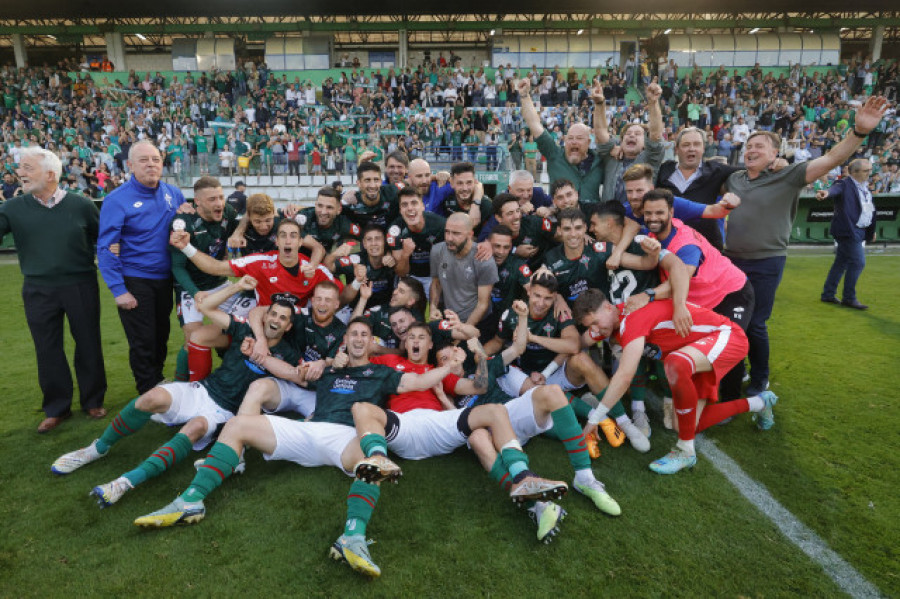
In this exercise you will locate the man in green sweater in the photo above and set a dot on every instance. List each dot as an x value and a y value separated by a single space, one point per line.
55 233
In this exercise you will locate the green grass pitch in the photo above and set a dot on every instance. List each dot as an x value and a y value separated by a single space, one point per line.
445 531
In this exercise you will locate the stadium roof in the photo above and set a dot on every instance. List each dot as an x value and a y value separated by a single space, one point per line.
113 9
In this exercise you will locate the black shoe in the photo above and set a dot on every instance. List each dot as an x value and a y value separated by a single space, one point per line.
854 304
830 300
754 389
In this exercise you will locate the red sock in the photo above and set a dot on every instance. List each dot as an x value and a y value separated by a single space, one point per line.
717 412
679 370
199 361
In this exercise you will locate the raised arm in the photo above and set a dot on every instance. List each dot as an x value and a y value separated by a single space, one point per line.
520 335
601 127
529 114
654 92
210 304
867 118
205 262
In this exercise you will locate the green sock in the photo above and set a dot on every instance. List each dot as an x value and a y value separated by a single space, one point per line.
373 443
360 504
162 459
566 426
582 409
218 465
616 411
515 459
500 475
182 370
127 422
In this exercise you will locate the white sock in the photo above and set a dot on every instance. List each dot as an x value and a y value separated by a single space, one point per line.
686 446
514 444
756 403
584 476
623 420
638 406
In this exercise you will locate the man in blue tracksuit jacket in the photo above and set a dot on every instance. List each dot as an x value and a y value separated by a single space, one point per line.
137 217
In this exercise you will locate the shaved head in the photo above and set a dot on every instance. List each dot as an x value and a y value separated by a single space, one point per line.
419 174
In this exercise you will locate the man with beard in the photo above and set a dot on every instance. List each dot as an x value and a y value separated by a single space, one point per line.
208 229
635 148
459 281
467 197
374 202
577 163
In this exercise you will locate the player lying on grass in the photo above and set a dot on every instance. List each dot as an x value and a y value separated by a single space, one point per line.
416 426
694 366
554 357
328 439
200 406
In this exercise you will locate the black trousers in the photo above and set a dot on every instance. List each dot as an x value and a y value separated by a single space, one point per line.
147 329
737 306
45 308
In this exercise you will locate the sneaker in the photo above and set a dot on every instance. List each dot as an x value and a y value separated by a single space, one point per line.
765 419
614 435
547 515
537 489
593 445
596 492
674 461
177 512
377 468
668 413
239 469
637 439
757 388
641 421
111 492
74 460
354 549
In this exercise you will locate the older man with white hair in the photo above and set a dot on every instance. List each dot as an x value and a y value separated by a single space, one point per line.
55 234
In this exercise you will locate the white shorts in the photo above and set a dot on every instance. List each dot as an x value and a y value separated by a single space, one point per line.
427 433
190 400
236 305
310 444
511 382
559 378
294 398
521 416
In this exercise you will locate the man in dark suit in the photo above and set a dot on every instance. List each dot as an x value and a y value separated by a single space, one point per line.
852 224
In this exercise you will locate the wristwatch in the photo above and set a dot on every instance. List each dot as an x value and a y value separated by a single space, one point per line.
651 293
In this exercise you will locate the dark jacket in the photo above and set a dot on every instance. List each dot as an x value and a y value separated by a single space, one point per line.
847 209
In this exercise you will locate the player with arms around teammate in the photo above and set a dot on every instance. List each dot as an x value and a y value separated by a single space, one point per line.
208 229
694 366
200 407
327 439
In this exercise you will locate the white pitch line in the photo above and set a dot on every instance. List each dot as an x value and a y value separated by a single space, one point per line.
851 582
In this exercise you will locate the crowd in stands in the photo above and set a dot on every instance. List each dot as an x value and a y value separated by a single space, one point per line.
253 120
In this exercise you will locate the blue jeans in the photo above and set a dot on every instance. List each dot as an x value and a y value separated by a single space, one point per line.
849 262
765 276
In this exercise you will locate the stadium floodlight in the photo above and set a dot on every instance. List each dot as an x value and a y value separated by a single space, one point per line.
580 31
141 37
667 31
754 30
492 32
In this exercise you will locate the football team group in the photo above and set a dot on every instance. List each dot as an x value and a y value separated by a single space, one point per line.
414 315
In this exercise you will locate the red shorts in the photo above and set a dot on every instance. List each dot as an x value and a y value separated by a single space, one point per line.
724 349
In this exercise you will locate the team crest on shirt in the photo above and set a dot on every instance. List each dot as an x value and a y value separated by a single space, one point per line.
138 204
368 372
599 246
273 279
548 328
584 259
329 338
526 272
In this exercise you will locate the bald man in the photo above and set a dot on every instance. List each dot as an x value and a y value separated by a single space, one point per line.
459 282
433 188
577 162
